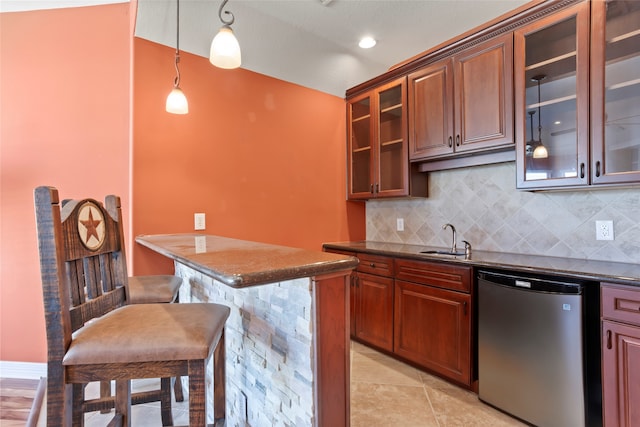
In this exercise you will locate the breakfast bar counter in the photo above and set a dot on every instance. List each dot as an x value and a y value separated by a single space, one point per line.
287 338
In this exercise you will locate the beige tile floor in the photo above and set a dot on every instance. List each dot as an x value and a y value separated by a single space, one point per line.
384 392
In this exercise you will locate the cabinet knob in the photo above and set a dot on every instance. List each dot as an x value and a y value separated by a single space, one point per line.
372 265
457 140
371 189
609 344
450 141
598 168
581 170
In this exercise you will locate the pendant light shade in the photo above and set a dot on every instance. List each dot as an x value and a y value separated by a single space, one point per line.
176 101
225 49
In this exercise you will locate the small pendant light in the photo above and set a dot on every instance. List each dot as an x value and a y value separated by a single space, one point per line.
540 152
176 101
225 49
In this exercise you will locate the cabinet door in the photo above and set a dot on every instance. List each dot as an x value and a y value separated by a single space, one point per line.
615 91
392 161
374 310
360 147
433 329
620 374
551 71
431 111
484 95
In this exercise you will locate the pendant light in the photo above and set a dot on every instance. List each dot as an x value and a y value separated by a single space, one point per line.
225 49
176 101
540 152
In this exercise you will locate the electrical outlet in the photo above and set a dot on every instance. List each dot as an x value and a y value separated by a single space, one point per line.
399 224
199 221
604 230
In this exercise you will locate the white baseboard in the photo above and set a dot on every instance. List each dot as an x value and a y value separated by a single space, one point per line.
26 370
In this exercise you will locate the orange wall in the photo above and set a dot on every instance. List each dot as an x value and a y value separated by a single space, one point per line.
263 158
64 121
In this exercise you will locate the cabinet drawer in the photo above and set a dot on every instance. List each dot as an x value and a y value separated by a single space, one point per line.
621 303
454 277
375 264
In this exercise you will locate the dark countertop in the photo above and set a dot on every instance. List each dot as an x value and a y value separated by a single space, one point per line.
240 263
606 271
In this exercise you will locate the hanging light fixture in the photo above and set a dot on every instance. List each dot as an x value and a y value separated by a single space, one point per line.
225 49
540 151
176 101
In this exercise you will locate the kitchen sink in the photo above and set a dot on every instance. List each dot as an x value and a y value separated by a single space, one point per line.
459 253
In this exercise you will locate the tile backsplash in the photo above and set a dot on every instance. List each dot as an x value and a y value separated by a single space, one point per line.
486 209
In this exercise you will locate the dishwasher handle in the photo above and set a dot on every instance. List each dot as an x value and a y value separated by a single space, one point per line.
533 284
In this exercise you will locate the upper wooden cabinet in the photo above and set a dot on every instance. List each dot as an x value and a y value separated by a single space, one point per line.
615 91
552 100
463 103
378 161
577 80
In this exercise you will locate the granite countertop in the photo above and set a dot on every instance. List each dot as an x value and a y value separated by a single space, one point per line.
241 263
607 271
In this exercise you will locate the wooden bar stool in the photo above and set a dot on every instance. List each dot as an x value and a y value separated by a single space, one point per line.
94 334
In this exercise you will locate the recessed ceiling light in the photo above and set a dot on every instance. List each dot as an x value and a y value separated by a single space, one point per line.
367 42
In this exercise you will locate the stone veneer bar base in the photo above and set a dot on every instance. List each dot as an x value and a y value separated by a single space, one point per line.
269 348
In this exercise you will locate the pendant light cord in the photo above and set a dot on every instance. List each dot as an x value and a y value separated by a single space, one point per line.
176 82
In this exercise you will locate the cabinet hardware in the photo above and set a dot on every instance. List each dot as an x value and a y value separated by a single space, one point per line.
371 189
377 188
609 344
457 140
450 141
581 170
372 265
598 168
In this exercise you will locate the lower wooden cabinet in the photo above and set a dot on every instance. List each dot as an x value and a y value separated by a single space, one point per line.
374 310
621 355
432 327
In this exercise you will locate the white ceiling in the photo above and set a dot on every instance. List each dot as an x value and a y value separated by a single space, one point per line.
313 43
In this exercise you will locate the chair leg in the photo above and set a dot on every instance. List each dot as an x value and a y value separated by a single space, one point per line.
177 389
123 401
105 391
59 403
219 386
197 394
78 404
165 401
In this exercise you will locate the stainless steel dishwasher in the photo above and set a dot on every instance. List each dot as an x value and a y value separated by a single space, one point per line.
536 349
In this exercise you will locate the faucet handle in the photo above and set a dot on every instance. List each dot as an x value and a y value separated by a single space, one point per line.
467 249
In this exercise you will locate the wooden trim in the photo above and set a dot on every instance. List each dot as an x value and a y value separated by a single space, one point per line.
332 350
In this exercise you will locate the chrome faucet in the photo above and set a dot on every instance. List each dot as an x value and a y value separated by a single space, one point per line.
453 229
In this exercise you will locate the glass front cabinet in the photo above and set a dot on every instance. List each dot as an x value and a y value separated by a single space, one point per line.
377 143
577 83
615 91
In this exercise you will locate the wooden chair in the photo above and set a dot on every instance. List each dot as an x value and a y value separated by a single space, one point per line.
93 334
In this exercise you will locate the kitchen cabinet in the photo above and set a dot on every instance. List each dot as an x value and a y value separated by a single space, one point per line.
463 103
615 91
378 161
620 355
551 68
373 301
433 317
577 91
